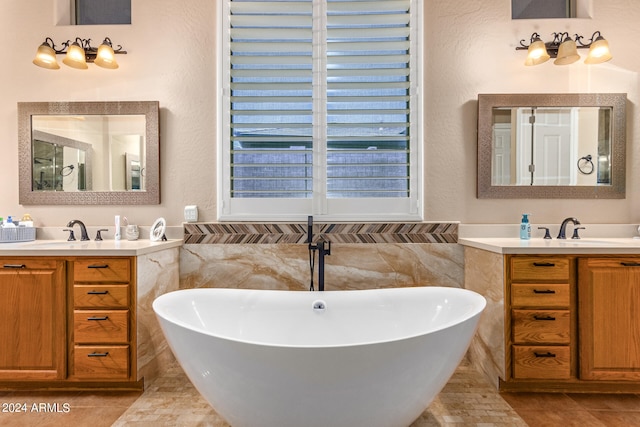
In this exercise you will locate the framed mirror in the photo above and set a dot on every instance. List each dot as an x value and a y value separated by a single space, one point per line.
89 153
550 146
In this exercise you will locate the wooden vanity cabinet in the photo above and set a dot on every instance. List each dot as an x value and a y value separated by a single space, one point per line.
103 331
541 317
609 310
32 319
572 323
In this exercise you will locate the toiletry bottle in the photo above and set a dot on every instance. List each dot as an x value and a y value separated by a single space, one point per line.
525 227
117 224
9 223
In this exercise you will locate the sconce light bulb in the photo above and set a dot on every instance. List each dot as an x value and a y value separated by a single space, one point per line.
46 57
598 52
537 53
76 57
105 57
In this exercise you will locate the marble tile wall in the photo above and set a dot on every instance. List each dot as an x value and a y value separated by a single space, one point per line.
363 256
484 273
156 273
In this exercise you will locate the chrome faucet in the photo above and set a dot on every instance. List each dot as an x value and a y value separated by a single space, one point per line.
83 229
563 227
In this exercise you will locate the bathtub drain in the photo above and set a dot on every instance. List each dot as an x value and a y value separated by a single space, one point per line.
319 306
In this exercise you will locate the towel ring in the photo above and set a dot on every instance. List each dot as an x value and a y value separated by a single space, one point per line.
585 165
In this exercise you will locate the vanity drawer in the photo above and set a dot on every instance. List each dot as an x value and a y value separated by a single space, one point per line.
101 326
108 270
101 296
539 268
541 326
540 295
541 362
101 362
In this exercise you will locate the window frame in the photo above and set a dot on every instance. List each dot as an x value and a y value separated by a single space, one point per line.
334 209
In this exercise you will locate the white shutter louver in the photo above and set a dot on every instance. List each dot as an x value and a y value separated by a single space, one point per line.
320 100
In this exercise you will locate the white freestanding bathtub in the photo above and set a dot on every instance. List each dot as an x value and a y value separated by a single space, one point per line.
340 358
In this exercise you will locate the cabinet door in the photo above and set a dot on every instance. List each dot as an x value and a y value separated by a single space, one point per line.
32 319
609 318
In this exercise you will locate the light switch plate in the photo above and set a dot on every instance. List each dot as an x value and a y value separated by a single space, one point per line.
191 213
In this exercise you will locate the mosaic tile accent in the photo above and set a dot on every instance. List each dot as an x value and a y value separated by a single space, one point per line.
262 233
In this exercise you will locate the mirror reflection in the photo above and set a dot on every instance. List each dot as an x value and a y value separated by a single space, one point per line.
89 152
551 145
110 137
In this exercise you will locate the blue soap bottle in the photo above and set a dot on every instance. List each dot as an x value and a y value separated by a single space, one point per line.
525 227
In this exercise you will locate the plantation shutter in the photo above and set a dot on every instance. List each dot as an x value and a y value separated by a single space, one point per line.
321 97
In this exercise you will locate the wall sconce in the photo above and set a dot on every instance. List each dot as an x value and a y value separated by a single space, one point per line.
78 53
565 49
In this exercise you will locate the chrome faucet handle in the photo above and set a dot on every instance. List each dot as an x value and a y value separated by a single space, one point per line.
72 237
575 232
546 232
98 235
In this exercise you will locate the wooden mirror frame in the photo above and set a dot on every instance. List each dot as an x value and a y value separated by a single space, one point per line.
486 104
151 194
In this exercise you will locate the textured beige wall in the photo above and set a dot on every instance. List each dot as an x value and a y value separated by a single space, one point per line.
469 50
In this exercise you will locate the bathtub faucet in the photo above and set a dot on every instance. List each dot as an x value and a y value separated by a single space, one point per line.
324 248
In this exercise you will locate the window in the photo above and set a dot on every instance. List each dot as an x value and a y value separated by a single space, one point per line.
541 9
320 109
98 12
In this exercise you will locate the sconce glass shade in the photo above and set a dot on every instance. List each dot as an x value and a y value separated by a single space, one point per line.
598 52
567 53
105 57
76 57
46 57
537 53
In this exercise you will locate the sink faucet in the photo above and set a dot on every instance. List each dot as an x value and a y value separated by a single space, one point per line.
83 229
563 227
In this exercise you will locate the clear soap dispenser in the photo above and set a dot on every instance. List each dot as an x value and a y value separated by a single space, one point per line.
525 227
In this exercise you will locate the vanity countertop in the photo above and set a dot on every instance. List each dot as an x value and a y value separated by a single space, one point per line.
86 248
539 246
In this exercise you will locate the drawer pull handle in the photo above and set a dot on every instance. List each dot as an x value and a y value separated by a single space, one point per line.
544 291
98 318
98 266
543 264
547 354
15 266
97 292
631 264
94 354
544 317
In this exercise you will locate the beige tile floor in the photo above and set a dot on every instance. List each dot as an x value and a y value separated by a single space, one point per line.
171 400
467 400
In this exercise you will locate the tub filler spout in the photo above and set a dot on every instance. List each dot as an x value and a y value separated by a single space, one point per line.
324 248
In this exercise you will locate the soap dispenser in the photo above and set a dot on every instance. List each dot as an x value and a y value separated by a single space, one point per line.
525 228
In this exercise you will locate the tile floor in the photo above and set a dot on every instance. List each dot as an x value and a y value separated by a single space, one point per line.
171 400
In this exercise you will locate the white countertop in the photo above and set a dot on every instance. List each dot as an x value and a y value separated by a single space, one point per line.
86 248
537 245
